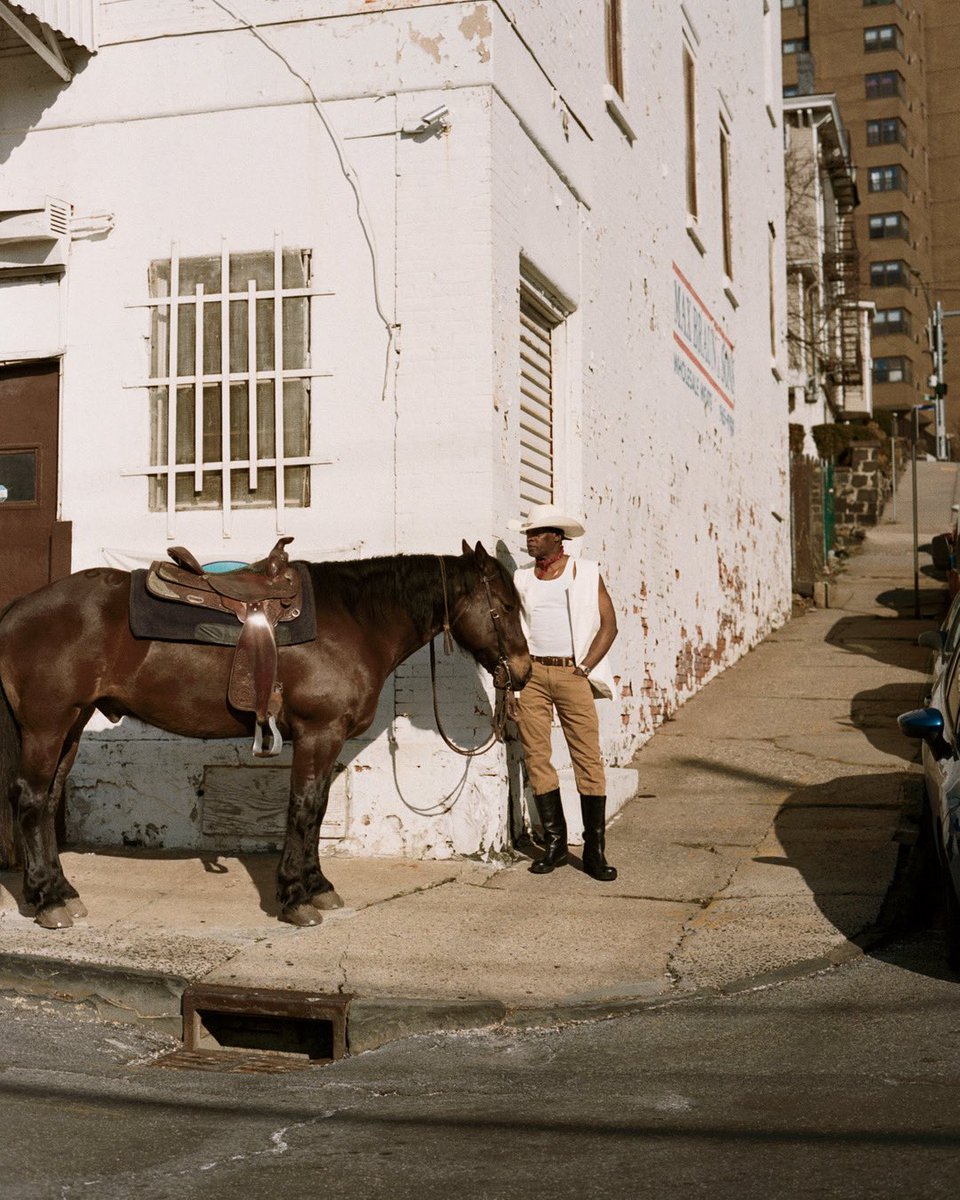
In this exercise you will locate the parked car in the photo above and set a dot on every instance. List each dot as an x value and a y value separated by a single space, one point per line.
937 726
943 641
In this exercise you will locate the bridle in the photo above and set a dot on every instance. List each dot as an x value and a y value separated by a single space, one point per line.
502 675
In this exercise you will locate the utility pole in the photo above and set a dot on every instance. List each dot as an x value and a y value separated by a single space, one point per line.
914 438
937 385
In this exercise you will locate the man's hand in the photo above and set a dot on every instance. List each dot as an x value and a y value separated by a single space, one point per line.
513 705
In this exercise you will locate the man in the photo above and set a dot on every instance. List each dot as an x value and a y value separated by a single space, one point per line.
570 625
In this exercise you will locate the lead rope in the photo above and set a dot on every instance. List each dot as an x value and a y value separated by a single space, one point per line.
499 719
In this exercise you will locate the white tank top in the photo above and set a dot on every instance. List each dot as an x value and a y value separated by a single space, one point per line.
549 616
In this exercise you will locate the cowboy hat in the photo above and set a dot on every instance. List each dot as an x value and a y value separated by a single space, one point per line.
549 516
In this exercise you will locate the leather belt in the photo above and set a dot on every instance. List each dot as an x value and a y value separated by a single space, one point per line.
553 662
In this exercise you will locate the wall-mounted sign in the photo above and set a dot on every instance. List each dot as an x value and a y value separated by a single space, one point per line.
703 355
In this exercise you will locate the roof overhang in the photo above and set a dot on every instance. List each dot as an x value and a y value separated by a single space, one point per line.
42 24
823 112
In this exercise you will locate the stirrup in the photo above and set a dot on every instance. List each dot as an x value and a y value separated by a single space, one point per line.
276 741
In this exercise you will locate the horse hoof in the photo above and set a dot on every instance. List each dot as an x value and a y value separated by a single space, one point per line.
55 917
326 900
303 915
75 907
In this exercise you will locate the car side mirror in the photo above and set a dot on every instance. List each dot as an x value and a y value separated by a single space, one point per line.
932 639
925 725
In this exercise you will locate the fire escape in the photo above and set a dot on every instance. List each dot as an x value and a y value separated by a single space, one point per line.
841 277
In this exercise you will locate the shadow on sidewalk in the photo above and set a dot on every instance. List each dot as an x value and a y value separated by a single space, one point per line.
838 836
261 867
874 712
883 640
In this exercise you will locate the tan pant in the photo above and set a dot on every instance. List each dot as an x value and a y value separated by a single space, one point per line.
559 688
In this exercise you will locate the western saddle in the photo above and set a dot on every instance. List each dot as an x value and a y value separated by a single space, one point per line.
260 596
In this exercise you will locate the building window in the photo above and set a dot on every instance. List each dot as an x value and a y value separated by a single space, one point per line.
795 46
890 320
877 3
888 274
883 83
790 90
771 286
725 216
541 324
889 225
887 131
793 3
613 22
230 381
882 37
890 178
892 370
690 124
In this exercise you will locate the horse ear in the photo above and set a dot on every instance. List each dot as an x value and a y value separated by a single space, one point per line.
481 555
465 548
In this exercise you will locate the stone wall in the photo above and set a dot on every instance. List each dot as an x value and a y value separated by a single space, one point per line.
861 490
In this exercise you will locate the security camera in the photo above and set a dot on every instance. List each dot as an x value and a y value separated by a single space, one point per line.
435 115
438 117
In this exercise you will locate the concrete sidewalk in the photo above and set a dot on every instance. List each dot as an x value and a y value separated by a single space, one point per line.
764 838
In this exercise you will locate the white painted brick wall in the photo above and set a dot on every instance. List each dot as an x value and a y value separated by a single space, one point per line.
207 134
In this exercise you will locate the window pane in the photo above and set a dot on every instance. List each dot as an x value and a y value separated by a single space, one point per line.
888 225
18 476
612 20
293 331
690 107
883 83
887 274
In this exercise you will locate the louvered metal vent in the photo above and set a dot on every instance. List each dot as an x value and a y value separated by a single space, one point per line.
58 217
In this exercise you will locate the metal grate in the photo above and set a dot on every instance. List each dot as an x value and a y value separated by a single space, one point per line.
231 1062
239 1029
184 446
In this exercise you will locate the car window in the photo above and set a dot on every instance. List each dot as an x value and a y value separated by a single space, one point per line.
951 691
951 626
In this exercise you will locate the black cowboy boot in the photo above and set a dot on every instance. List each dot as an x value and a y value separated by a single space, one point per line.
554 830
594 810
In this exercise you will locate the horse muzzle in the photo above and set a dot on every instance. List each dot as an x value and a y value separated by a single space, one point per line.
512 674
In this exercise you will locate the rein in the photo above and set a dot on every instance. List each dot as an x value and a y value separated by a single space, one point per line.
502 670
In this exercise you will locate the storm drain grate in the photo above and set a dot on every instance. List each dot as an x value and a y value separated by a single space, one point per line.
262 1030
237 1062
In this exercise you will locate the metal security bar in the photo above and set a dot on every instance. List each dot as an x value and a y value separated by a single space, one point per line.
210 390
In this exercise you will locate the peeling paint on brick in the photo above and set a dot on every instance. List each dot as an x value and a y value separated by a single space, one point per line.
476 26
429 45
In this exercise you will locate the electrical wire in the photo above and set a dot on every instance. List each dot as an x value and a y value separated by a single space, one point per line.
349 174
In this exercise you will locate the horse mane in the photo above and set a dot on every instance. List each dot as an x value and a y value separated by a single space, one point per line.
375 588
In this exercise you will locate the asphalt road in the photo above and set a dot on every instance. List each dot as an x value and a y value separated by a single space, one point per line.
843 1084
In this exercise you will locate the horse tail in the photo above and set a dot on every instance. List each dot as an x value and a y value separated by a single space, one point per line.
9 769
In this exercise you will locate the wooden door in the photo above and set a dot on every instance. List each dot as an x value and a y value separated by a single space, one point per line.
34 545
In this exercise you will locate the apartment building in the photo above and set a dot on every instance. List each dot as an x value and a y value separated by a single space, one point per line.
891 64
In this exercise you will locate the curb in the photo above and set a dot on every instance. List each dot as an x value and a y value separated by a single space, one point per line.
132 997
153 999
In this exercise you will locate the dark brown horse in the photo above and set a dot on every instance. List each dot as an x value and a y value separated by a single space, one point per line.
67 650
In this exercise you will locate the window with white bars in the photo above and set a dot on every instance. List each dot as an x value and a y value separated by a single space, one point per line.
229 381
540 320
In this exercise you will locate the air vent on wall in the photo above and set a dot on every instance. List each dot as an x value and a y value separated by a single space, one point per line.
58 217
35 239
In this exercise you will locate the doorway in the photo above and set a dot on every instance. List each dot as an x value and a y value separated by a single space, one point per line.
34 545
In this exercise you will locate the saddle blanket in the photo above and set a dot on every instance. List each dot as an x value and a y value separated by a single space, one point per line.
168 621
